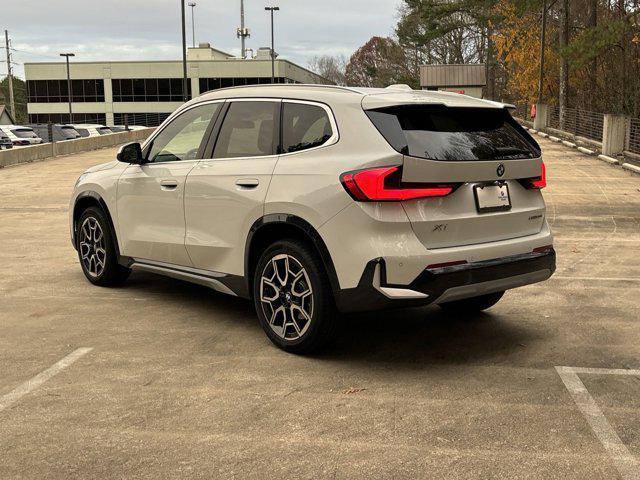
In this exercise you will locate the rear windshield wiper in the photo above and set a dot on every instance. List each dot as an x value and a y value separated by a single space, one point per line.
497 152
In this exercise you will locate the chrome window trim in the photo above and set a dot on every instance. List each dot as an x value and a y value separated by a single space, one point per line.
172 117
335 134
245 99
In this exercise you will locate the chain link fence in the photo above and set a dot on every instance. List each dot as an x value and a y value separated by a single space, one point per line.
577 122
632 143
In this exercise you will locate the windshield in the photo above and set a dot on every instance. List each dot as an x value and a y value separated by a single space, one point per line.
103 130
24 133
437 132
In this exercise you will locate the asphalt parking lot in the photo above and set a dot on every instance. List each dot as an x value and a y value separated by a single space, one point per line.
179 381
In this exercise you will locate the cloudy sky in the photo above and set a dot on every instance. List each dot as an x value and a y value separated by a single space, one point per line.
150 29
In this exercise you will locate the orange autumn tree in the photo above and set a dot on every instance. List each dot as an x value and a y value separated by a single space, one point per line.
517 44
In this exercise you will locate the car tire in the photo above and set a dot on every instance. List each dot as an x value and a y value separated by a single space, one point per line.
97 251
473 304
293 298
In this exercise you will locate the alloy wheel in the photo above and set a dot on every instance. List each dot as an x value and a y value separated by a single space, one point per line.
286 296
92 247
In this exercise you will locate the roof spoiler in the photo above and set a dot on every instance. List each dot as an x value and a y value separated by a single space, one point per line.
508 106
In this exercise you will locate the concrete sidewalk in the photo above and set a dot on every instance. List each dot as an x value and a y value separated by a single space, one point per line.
182 382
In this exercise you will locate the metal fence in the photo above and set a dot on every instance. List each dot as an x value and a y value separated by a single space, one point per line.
577 122
632 143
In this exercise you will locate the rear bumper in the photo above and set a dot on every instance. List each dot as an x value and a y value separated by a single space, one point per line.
446 283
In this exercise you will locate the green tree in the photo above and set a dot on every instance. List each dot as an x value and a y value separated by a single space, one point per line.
20 98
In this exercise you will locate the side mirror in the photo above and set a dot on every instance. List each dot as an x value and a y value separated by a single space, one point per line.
130 153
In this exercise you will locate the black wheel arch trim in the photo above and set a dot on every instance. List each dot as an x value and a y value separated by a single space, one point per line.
98 198
307 229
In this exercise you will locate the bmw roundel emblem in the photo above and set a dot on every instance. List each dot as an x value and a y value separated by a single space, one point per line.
500 170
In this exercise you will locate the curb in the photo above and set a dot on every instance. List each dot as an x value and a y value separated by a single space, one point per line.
631 168
569 144
555 139
608 159
586 151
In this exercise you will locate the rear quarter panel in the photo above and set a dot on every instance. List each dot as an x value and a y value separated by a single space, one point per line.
307 183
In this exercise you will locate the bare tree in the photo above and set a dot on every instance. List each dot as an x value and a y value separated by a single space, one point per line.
330 67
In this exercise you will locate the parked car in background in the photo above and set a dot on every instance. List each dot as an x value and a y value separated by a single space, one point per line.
91 130
21 135
60 132
311 198
5 141
122 128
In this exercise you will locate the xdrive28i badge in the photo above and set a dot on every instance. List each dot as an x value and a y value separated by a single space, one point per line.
500 170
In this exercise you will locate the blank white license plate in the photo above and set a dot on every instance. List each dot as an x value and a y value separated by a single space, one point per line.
492 198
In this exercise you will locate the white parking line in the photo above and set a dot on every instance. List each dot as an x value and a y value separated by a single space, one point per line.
627 465
13 396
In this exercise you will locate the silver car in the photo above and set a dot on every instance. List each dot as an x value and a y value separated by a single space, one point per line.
315 200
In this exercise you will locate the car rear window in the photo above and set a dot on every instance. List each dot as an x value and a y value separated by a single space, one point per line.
24 133
437 132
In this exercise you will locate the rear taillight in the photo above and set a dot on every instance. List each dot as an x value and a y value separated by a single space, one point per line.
536 182
384 184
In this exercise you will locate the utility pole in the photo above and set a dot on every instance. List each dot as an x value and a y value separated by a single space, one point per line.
69 89
543 34
242 32
273 52
184 54
12 103
193 24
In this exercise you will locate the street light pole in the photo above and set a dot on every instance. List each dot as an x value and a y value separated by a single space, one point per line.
184 54
273 53
69 89
193 24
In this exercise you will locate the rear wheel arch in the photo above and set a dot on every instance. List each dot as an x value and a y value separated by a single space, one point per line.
92 199
273 227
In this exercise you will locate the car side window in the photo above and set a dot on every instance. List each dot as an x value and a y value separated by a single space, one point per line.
248 130
181 139
304 126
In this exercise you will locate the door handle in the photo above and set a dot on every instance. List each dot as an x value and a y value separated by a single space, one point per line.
247 182
168 184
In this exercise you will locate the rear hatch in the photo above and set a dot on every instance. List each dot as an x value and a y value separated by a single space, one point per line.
480 151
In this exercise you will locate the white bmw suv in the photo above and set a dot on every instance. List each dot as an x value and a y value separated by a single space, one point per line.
315 200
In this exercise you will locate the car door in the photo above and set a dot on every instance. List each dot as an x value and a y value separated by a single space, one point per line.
150 203
225 192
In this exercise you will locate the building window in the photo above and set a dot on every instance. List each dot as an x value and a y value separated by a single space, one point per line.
56 91
148 89
208 84
142 119
93 118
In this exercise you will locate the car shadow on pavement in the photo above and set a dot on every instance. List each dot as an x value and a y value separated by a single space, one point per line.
429 335
426 335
